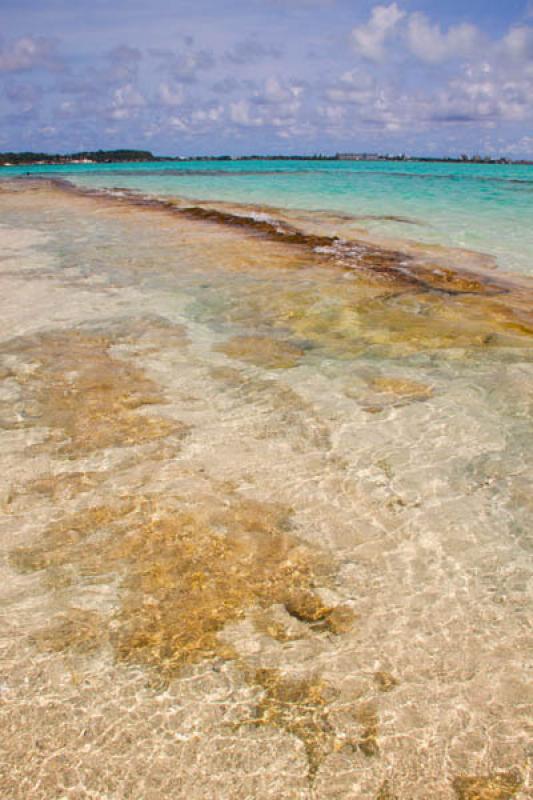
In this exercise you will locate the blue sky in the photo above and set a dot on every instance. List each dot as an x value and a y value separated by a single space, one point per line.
184 77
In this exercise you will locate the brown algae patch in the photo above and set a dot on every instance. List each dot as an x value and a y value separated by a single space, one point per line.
386 793
367 717
391 392
77 629
401 388
55 488
456 281
306 606
65 542
263 351
71 383
385 681
387 263
183 571
350 318
299 707
182 574
498 786
302 707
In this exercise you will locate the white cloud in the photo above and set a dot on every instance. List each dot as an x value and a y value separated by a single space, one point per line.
522 147
428 42
369 40
275 92
207 115
242 114
178 124
484 81
356 86
171 94
186 64
518 43
126 102
27 53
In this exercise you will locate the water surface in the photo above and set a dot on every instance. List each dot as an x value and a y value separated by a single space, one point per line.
484 207
266 511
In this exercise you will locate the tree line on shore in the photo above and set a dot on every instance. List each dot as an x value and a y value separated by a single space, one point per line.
95 156
126 155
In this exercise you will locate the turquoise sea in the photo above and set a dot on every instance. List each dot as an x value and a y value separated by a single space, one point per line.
487 208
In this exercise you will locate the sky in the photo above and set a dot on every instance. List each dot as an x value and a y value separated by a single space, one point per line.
212 77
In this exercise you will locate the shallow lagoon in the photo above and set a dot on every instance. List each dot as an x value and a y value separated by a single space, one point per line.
483 207
265 510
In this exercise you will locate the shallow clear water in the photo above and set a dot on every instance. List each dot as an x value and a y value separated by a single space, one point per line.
486 208
266 521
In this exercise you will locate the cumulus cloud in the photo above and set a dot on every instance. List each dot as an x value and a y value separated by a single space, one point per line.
355 87
487 82
275 92
125 102
518 43
369 40
171 94
184 64
429 43
242 113
398 73
415 34
29 52
520 147
276 104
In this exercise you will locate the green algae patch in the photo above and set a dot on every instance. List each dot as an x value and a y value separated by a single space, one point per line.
263 351
498 786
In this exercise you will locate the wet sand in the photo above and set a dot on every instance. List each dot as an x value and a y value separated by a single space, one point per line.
265 509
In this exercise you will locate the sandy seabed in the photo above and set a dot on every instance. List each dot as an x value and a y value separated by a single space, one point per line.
265 511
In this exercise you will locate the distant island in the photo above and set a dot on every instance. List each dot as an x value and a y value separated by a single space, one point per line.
136 156
85 157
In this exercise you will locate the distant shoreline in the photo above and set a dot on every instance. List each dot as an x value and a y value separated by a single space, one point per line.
12 159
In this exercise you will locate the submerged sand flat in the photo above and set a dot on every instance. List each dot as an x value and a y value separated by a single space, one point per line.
265 507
